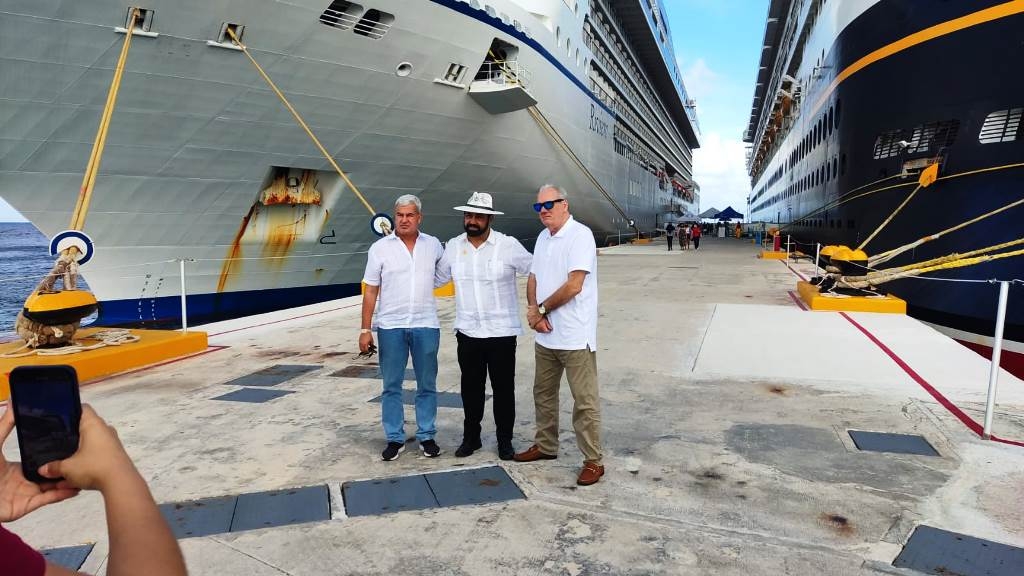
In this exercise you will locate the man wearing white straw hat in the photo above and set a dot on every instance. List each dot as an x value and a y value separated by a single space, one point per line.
483 264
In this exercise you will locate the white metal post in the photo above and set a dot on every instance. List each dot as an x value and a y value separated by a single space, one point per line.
817 255
184 315
789 238
997 351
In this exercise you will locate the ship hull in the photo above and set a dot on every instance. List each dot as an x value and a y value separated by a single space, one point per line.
197 136
844 171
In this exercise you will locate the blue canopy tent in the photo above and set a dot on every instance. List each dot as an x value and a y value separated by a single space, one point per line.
729 214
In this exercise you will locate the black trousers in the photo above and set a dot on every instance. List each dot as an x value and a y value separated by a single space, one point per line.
696 242
669 236
478 358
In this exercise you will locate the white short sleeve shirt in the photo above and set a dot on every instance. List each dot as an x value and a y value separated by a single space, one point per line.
486 300
574 324
406 281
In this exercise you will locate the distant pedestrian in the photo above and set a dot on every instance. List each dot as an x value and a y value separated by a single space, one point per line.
696 237
562 298
484 263
684 236
403 269
670 231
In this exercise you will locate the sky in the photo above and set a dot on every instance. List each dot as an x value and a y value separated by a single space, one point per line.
718 45
718 48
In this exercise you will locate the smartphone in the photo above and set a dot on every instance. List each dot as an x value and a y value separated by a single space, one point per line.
47 410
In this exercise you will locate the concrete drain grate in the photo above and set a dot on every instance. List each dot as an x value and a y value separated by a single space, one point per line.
371 372
373 497
934 551
444 399
473 486
274 375
896 443
270 509
70 557
281 508
440 489
200 517
253 395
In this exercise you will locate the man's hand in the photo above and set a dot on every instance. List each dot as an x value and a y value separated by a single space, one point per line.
544 326
365 341
18 496
533 316
100 461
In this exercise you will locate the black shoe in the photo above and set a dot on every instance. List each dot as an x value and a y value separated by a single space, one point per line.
430 449
392 451
467 449
506 451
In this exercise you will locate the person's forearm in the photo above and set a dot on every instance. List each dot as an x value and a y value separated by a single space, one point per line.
140 540
531 291
369 303
565 292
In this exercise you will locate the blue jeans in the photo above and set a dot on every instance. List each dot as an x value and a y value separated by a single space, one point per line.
396 344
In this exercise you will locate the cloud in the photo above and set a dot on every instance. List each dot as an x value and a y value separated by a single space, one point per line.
719 167
701 81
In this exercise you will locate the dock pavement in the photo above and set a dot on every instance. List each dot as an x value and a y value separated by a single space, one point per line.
726 414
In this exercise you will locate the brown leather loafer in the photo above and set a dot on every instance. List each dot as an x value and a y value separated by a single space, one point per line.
533 454
590 474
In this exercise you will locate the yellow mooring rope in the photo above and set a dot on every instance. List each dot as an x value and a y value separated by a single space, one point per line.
93 167
890 254
302 123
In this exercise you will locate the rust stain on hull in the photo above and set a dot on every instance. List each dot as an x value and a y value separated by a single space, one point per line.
232 265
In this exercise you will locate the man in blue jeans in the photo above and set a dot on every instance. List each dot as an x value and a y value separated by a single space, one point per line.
402 270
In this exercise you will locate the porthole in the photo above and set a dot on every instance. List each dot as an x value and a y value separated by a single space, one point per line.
403 69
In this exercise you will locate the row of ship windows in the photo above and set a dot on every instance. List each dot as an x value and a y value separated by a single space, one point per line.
827 172
821 129
932 137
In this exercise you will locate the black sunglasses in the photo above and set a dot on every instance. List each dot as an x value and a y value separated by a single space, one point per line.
549 204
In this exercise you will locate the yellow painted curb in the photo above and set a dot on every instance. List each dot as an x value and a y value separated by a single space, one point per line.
815 301
772 255
154 347
443 292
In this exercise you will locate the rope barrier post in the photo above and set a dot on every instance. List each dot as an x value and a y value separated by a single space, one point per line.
997 351
789 239
184 311
817 256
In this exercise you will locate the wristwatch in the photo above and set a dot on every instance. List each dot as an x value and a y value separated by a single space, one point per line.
542 310
365 331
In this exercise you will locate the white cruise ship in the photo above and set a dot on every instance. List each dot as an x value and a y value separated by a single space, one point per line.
431 97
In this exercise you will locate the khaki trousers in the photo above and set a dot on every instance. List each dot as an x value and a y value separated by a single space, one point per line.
580 367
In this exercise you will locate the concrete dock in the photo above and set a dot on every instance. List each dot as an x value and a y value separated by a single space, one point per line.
726 411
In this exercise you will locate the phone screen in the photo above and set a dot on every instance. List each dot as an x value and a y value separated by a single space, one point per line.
47 411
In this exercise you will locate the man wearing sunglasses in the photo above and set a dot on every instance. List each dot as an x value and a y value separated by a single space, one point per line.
562 298
484 263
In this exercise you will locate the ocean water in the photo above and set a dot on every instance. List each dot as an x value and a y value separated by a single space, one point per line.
24 260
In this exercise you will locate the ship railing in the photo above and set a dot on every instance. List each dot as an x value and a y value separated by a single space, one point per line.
504 73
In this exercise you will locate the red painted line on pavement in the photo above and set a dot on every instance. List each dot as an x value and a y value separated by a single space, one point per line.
798 274
284 320
208 350
798 301
953 409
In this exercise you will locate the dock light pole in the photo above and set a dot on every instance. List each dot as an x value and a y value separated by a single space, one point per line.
997 351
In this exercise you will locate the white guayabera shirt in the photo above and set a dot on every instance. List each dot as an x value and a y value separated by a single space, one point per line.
407 281
486 302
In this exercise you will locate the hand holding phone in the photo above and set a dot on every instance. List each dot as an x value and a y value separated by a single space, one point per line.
18 496
47 411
